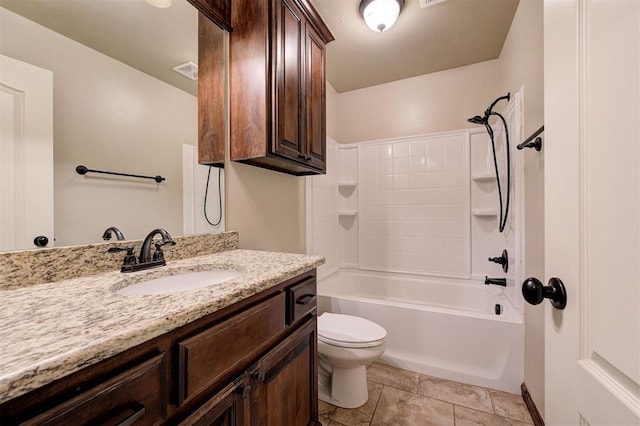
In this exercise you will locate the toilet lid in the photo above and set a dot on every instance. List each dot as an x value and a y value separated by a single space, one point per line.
349 331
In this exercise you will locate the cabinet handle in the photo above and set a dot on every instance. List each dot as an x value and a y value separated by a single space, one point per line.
304 157
134 417
305 299
244 391
259 376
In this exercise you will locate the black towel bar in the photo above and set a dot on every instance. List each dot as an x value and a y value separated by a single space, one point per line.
82 170
533 141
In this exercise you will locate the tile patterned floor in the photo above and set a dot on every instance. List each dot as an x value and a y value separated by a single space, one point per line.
401 397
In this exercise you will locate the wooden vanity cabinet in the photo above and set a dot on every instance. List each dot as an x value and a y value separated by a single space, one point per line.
278 85
252 363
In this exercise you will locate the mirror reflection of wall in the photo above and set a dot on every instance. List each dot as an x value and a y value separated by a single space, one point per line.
108 115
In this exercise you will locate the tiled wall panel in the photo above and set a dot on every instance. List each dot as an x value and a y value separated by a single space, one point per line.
414 205
324 219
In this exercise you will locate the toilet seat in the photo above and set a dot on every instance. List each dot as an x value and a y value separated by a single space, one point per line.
348 331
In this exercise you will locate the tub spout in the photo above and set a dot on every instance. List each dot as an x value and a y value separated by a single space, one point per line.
495 281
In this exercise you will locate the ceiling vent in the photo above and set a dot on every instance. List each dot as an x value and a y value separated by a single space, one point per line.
426 3
189 70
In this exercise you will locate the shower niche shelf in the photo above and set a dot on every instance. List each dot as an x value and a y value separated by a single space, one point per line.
484 213
484 177
347 213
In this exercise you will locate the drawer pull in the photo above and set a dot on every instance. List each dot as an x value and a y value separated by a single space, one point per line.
134 417
259 376
305 299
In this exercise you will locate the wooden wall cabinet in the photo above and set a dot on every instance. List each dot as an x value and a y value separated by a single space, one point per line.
252 363
278 85
217 11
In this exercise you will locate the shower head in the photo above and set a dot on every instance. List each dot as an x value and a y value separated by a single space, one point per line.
478 120
488 112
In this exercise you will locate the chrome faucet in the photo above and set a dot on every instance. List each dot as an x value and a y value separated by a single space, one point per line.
107 234
145 260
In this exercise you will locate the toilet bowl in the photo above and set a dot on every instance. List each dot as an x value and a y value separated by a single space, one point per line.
346 344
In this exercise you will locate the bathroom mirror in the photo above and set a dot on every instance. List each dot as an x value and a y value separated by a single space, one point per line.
118 106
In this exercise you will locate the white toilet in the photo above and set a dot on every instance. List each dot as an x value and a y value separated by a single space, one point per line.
346 344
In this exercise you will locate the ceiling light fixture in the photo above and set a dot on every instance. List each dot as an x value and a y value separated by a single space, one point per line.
380 15
160 3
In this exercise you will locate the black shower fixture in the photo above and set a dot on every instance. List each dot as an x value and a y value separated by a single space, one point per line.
478 120
504 213
502 260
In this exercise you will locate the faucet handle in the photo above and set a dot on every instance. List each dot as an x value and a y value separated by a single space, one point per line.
159 244
158 254
129 258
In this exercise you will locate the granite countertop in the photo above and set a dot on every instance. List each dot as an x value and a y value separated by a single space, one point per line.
48 331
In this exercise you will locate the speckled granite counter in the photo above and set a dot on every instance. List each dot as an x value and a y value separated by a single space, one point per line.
50 330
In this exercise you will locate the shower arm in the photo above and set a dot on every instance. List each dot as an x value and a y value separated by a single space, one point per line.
489 111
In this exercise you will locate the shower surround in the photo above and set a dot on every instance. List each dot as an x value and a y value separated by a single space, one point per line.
424 209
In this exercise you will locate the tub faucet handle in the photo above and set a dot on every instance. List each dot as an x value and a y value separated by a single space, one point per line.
502 260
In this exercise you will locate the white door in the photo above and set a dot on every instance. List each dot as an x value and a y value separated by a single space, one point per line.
26 154
592 210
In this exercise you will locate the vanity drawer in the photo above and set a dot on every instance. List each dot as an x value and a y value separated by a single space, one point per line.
301 299
135 397
205 358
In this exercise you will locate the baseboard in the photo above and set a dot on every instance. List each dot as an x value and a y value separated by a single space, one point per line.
531 406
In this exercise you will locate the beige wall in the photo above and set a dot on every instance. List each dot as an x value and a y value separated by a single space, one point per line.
332 112
107 116
521 64
425 104
266 208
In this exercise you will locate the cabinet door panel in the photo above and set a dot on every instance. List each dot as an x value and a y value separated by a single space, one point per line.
211 114
226 408
289 81
284 383
315 100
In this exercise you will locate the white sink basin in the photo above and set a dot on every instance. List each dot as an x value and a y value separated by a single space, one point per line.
180 282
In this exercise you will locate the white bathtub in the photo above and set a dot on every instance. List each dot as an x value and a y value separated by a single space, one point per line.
437 326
